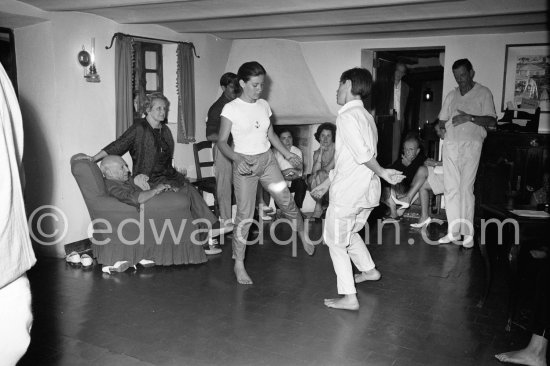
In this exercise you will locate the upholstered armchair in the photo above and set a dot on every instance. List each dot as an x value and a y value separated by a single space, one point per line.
121 232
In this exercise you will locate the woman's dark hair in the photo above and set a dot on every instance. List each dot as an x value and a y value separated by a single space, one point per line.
282 130
249 70
361 81
326 126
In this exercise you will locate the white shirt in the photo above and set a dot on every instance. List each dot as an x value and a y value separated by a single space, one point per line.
249 125
478 102
285 164
397 99
16 253
352 183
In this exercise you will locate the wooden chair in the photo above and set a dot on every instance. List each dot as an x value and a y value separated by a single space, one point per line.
205 184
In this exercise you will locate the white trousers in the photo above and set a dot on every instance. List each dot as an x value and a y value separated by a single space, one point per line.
340 233
15 320
460 163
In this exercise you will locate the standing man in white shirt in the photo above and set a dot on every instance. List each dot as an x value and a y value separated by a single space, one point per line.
354 188
399 103
16 253
466 112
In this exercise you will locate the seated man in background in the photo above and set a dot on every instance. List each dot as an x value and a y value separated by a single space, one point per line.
411 159
428 179
292 175
134 192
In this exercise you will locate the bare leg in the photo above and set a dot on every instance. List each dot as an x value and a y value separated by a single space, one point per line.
240 273
390 203
532 355
417 183
425 201
346 302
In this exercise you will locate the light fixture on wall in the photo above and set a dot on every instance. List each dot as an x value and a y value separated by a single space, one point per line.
85 60
428 95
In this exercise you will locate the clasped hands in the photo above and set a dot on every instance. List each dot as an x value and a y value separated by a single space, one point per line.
461 117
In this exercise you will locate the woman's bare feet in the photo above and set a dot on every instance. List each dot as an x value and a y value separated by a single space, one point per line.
521 357
346 302
240 273
372 275
532 355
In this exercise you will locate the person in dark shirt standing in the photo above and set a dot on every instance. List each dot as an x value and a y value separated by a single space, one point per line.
230 90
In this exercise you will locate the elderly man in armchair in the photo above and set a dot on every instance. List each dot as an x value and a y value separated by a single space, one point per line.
135 224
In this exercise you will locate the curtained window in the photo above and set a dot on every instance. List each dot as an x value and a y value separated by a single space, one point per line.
139 71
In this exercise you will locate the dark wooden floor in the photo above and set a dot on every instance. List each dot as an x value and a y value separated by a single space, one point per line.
422 312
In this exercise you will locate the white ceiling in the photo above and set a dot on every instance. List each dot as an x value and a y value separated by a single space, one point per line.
312 20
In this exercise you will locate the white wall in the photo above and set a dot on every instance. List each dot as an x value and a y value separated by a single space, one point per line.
64 114
327 60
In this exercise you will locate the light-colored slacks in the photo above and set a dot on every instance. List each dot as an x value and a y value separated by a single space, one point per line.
266 171
340 233
223 172
15 320
460 163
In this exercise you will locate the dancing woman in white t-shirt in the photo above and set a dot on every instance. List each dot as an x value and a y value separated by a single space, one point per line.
247 119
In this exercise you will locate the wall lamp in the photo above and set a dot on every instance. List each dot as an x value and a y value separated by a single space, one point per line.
428 95
85 60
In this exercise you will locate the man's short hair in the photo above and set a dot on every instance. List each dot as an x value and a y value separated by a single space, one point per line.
229 78
361 81
411 138
463 62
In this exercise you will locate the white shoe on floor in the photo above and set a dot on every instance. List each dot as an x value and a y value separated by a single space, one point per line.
449 238
119 266
468 241
86 260
146 263
73 258
419 225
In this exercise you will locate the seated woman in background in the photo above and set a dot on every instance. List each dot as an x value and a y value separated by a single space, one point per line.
292 175
323 162
151 146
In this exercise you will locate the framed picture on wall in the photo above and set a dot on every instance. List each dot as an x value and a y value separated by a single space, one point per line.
527 77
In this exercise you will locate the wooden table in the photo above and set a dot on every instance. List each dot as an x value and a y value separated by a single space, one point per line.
526 229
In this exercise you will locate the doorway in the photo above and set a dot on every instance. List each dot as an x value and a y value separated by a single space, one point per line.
7 55
424 77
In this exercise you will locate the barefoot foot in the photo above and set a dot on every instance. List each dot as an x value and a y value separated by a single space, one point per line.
347 302
372 275
521 357
242 276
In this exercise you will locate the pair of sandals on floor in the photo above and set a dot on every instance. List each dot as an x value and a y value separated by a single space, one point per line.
403 205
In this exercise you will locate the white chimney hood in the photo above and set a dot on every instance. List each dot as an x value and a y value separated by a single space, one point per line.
289 87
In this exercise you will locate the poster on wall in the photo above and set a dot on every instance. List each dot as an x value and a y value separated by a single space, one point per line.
527 77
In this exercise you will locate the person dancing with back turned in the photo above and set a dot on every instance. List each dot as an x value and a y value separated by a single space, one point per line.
354 188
